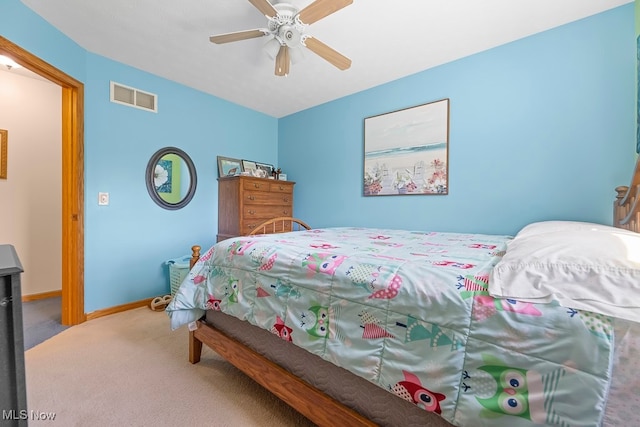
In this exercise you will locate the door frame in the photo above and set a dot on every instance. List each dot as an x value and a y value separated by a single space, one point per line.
72 178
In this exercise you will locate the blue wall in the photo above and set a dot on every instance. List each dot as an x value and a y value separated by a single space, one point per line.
32 33
541 128
127 241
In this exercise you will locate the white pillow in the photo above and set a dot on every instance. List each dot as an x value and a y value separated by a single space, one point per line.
581 265
555 226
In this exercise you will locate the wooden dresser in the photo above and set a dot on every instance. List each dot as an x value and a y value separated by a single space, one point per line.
244 202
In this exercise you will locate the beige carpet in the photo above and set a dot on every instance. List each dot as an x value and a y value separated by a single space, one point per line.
131 369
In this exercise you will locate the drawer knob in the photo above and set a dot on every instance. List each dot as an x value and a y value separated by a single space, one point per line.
285 212
286 199
281 188
251 212
251 198
256 185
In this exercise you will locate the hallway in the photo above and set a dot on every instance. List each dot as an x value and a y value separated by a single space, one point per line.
41 320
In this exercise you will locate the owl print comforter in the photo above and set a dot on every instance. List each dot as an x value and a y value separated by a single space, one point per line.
410 312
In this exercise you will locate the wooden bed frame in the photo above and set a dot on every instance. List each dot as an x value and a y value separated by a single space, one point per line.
308 400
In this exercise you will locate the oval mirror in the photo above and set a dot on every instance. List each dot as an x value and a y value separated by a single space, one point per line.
171 178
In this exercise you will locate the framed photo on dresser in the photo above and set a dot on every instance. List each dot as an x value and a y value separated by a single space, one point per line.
228 166
248 165
265 167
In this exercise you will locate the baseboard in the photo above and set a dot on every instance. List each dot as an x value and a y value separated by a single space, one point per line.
43 295
118 309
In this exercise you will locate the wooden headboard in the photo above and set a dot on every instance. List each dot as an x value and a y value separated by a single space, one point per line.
626 208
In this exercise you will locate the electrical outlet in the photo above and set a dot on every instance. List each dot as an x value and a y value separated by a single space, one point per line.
103 199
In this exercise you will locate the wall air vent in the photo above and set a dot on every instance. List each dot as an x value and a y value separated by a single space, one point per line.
132 97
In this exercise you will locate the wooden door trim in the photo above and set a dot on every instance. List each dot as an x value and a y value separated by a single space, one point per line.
72 178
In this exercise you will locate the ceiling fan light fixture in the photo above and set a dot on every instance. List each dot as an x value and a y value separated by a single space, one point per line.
272 47
296 54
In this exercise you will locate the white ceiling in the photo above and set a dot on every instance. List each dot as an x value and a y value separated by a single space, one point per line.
385 39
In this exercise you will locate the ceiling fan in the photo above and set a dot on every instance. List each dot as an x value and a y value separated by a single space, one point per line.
286 26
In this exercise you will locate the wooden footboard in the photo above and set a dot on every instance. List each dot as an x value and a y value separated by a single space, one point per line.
626 208
306 399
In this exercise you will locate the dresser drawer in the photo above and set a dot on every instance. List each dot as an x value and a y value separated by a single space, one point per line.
255 185
265 198
267 185
279 187
266 212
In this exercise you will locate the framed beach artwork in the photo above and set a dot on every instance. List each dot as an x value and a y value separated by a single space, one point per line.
406 152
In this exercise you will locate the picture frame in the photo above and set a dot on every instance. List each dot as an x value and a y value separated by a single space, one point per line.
228 166
248 165
4 143
265 167
406 152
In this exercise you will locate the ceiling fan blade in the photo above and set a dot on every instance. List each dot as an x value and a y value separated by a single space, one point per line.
265 7
321 8
237 36
283 61
321 49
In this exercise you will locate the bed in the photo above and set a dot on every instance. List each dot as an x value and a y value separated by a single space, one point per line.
355 326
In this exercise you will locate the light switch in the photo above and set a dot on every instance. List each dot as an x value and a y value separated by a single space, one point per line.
103 199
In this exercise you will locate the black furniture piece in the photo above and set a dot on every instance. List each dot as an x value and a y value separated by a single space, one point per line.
13 393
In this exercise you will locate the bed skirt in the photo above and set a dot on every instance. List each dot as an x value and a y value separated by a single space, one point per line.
364 397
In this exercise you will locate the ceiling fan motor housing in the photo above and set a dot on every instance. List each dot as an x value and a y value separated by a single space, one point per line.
289 35
285 25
